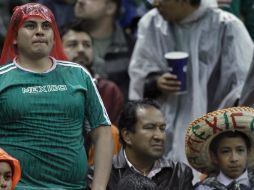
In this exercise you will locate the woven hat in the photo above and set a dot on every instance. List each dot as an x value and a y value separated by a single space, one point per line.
203 130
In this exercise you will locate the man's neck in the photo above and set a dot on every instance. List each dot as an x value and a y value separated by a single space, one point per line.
142 165
188 11
36 65
100 29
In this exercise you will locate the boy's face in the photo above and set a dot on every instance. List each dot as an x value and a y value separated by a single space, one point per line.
231 156
5 176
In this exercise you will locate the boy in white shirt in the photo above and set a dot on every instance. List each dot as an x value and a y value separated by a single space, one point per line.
220 144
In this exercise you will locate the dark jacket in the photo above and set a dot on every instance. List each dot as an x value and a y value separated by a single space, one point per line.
173 175
112 98
117 60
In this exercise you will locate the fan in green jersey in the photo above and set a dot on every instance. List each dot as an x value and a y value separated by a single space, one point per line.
44 102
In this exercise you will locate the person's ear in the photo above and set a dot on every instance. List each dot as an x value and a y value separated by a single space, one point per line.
111 8
126 135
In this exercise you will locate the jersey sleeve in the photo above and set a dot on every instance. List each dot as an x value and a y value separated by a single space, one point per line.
95 111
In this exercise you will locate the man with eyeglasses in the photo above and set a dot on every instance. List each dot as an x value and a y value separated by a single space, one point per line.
220 53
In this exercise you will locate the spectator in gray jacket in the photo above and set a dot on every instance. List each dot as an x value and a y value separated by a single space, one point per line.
112 47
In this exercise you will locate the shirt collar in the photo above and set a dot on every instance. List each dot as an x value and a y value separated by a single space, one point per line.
131 166
28 70
157 166
242 179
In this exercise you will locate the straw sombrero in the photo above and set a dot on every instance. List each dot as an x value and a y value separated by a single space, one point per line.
200 133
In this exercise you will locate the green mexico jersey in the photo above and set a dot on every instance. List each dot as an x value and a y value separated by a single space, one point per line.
42 121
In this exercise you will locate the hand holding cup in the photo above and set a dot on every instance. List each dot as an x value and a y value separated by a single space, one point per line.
168 83
177 65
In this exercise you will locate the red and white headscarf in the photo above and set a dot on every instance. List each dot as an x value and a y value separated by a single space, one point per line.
20 15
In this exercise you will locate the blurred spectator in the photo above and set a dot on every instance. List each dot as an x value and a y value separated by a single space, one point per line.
131 12
243 9
78 46
6 10
112 47
4 20
233 6
62 9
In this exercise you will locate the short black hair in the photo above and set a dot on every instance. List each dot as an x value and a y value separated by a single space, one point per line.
214 145
195 2
77 25
128 117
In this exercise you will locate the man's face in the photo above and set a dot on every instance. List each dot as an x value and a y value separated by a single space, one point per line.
148 139
78 47
231 156
35 38
90 9
5 176
172 10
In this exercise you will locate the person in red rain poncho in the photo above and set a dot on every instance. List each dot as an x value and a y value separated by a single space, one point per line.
45 101
21 14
